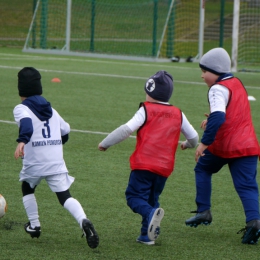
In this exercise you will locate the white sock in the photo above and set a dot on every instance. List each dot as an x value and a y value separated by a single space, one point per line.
75 209
31 208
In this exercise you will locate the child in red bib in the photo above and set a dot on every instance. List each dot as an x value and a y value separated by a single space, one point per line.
158 125
229 138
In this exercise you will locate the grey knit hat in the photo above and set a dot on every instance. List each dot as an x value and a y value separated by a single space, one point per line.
216 61
159 86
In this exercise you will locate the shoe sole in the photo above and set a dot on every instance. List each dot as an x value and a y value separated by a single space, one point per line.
154 226
150 243
90 233
34 235
206 223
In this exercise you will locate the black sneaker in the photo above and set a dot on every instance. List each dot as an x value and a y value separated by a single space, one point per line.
34 232
90 233
251 232
200 218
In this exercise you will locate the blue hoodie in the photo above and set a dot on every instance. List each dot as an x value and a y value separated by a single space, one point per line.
39 106
42 109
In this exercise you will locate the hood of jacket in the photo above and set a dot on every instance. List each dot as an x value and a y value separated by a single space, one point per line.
39 106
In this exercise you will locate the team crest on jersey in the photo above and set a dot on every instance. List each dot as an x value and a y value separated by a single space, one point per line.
150 85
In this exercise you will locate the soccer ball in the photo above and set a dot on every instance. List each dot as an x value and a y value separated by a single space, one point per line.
3 206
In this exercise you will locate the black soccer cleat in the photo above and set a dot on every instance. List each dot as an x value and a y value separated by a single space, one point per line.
34 232
204 218
251 232
90 233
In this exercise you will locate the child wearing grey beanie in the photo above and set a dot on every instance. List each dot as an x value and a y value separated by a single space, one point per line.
229 139
216 61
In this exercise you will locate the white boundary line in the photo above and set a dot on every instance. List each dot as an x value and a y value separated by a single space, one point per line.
9 56
110 75
76 130
21 57
7 122
72 130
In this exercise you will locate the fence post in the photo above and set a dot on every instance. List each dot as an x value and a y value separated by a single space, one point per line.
170 36
155 16
34 27
201 28
235 34
222 22
93 13
68 25
44 24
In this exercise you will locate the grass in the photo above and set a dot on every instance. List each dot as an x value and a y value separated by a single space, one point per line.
98 95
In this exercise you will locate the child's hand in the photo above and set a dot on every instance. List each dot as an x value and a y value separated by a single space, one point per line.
183 146
204 122
100 148
200 151
19 152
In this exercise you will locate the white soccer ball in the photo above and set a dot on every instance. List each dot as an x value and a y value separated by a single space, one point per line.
3 206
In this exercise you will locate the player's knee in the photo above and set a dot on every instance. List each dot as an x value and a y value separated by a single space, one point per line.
26 188
63 196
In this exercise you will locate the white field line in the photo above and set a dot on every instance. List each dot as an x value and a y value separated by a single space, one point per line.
94 74
75 130
72 130
7 56
93 132
110 75
4 56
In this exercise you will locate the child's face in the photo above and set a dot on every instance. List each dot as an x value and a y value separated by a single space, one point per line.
209 77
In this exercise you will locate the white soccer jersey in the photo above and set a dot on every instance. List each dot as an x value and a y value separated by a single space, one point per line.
218 98
43 154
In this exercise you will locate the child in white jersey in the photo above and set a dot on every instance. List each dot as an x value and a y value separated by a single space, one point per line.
158 126
42 132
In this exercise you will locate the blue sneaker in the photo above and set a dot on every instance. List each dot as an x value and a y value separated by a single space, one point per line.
144 240
154 221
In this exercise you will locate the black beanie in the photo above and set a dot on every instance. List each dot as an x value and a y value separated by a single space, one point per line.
29 82
159 86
